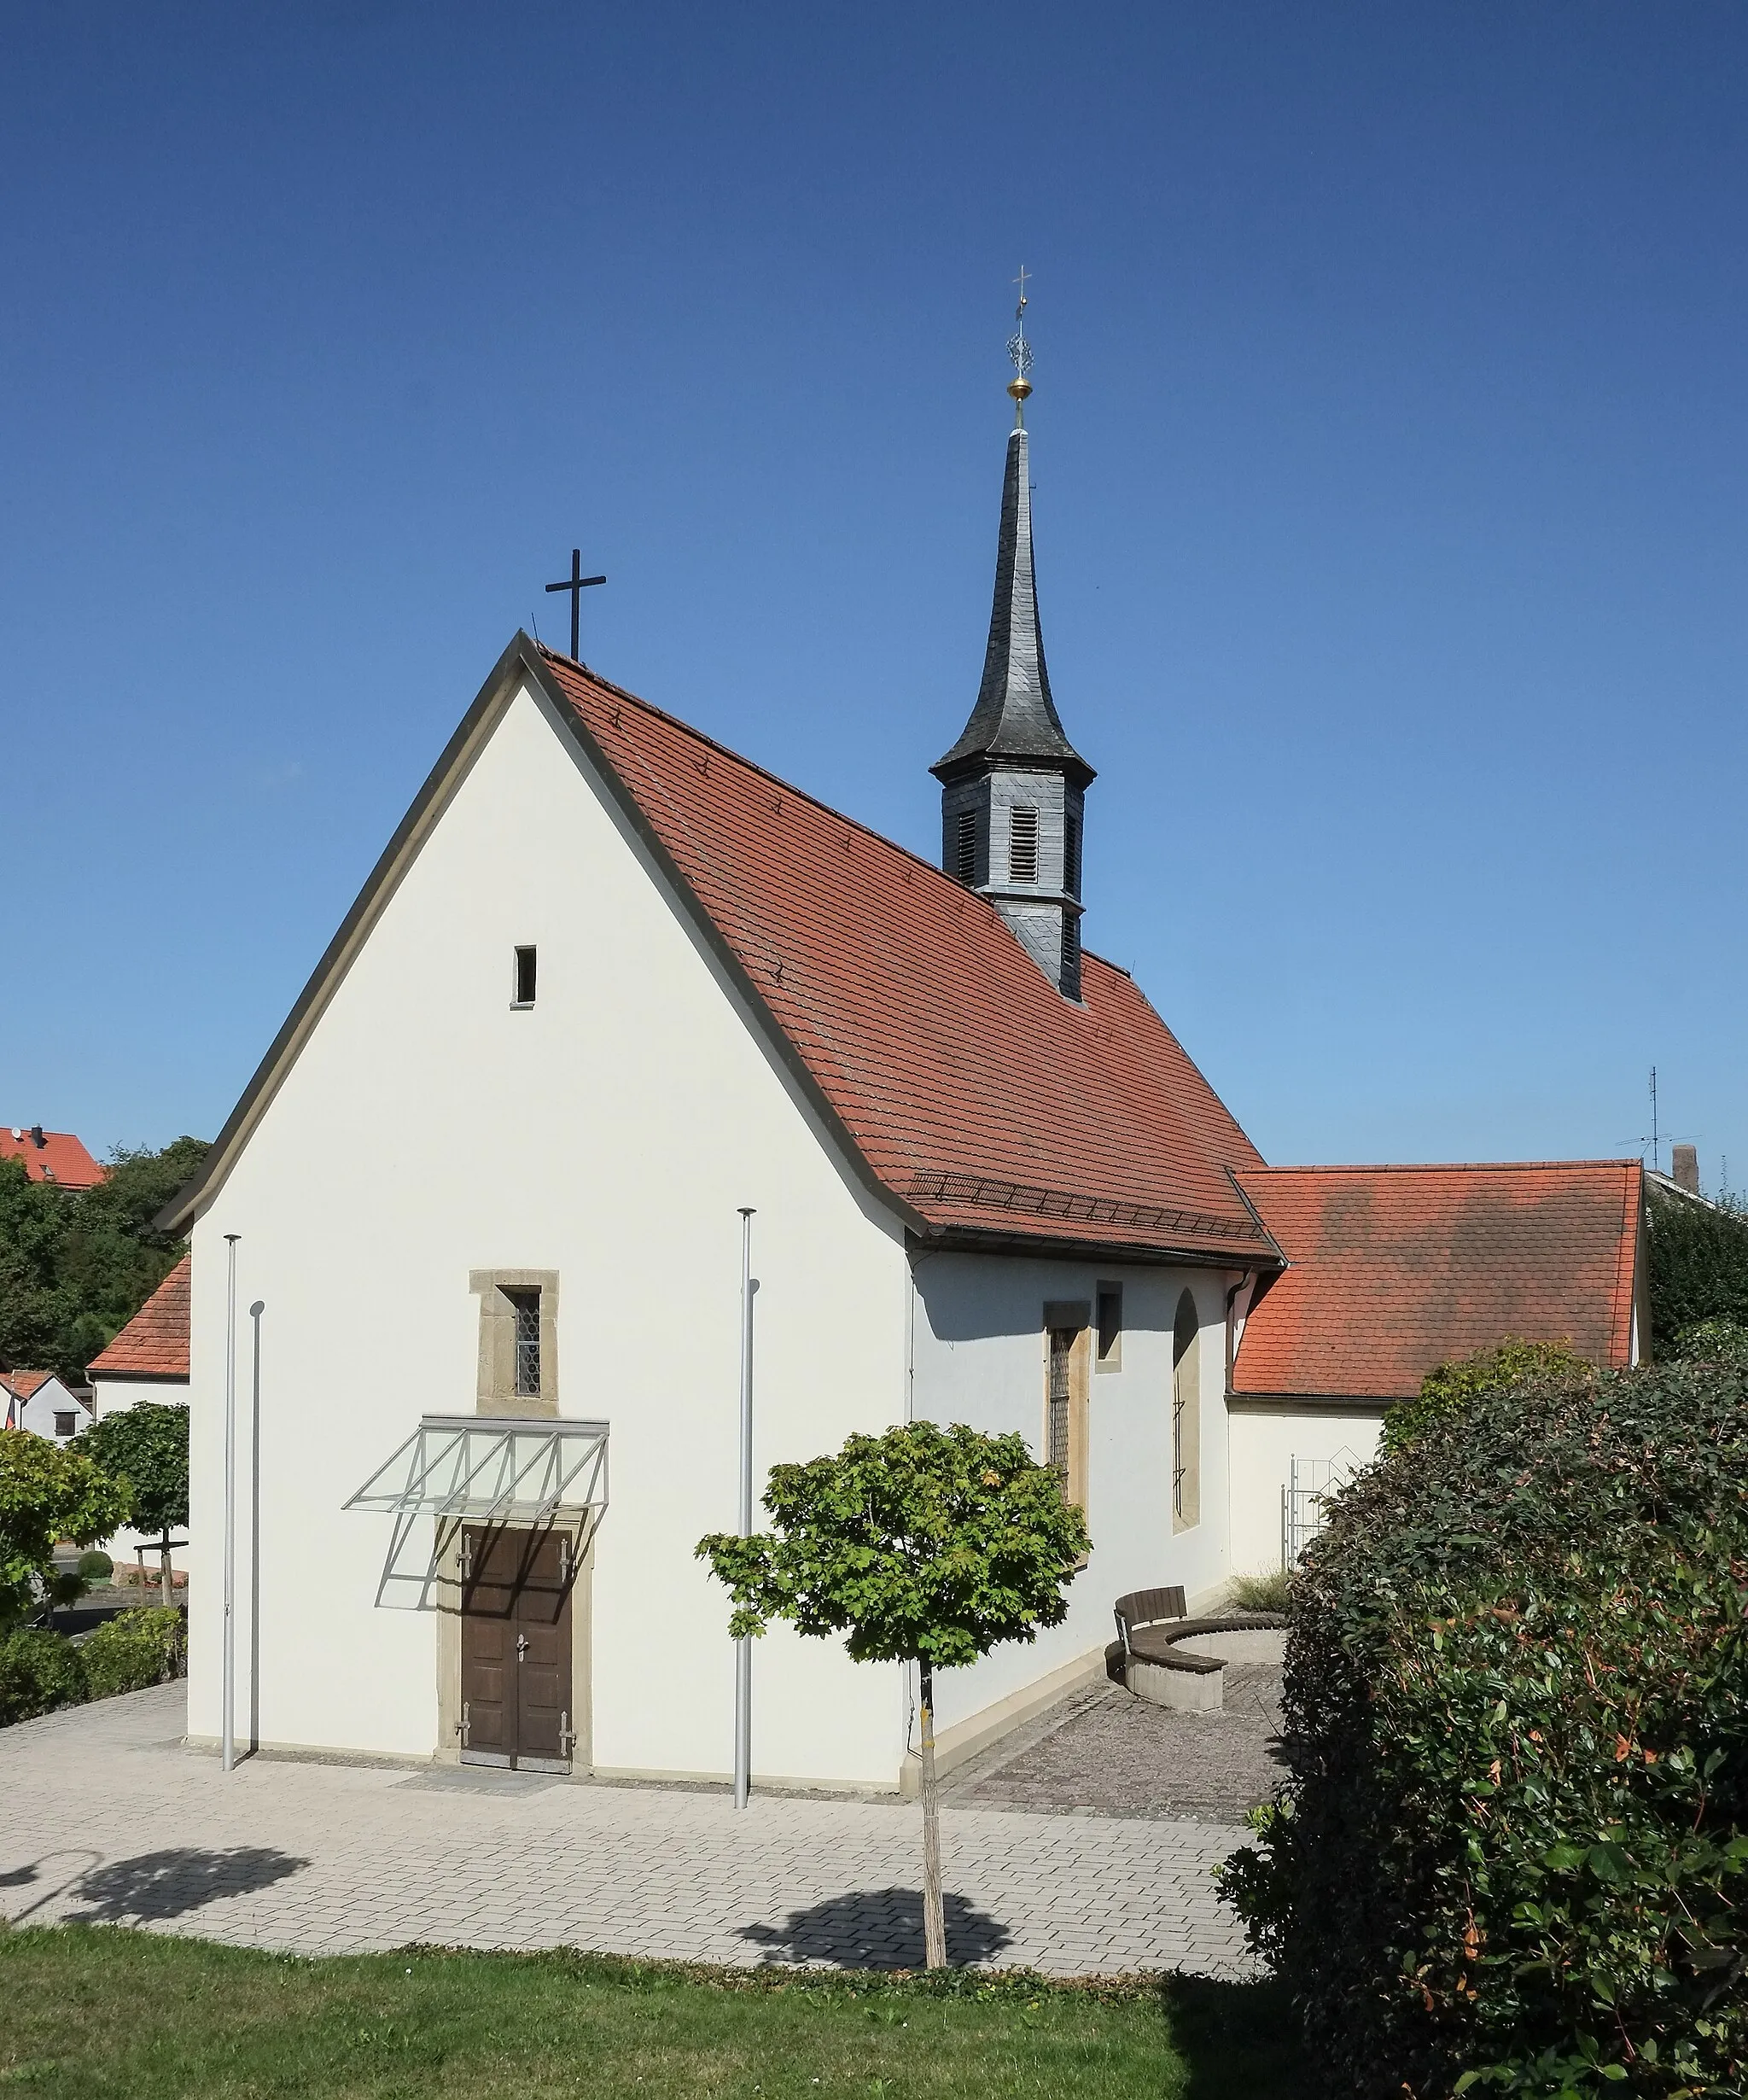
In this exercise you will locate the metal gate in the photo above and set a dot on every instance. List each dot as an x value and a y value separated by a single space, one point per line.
1311 1485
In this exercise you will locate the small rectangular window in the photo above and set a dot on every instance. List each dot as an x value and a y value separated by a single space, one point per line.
1072 857
65 1426
1022 845
527 1306
524 977
966 847
1110 1328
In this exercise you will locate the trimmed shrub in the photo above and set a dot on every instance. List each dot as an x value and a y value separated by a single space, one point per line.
1448 1389
95 1567
1513 1851
1714 1341
132 1650
1698 1262
38 1673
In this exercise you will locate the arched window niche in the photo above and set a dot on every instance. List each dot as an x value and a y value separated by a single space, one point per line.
1186 1416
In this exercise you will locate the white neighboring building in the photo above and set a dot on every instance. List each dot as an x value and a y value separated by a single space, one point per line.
147 1361
609 984
43 1403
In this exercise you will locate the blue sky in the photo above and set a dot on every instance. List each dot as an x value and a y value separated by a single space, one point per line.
1392 466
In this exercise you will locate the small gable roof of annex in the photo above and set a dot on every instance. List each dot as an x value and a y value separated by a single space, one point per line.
155 1343
984 1106
1394 1269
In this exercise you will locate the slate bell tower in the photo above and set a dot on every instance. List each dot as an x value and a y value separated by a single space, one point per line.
1013 787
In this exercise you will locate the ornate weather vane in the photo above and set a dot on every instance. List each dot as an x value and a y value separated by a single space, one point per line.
1021 352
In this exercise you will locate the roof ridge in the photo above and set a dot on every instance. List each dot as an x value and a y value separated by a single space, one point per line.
1443 1166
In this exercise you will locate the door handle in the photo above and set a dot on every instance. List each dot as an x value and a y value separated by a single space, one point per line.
522 1647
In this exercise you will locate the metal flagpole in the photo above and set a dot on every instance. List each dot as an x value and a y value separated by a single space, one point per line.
743 1646
227 1747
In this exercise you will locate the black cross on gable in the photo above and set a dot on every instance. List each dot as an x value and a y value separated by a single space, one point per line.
576 583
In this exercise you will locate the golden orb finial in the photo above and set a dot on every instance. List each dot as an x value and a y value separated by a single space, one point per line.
1020 385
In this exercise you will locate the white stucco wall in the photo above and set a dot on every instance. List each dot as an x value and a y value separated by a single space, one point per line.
427 1129
979 1355
51 1399
1264 1441
110 1395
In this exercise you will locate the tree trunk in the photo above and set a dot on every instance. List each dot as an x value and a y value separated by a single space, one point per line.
167 1590
934 1919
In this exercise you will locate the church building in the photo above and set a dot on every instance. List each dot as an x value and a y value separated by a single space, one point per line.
473 1236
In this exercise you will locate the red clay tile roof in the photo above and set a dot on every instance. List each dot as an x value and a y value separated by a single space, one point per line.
155 1343
60 1157
1396 1269
976 1094
25 1384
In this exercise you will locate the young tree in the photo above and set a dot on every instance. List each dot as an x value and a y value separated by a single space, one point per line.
48 1493
146 1446
924 1545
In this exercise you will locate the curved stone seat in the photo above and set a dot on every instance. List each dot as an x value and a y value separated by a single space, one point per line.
1182 1662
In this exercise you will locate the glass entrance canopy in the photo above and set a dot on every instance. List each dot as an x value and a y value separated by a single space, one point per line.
458 1469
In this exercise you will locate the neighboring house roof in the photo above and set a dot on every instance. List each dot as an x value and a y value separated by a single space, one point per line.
26 1385
975 1098
1394 1269
50 1155
155 1343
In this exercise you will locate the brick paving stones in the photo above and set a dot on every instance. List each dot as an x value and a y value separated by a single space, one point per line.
1105 1752
103 1815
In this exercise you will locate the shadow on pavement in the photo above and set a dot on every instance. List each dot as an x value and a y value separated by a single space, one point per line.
878 1928
171 1884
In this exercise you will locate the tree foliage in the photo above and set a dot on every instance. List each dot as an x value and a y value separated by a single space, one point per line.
924 1545
1699 1262
75 1266
48 1492
1513 1851
1449 1389
146 1446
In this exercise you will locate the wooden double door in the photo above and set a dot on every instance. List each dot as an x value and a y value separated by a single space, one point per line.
517 1695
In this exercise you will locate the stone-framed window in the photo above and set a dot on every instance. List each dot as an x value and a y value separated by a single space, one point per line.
518 1370
1109 1355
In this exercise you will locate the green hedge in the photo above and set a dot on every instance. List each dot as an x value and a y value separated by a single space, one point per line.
132 1650
38 1673
1699 1263
1513 1851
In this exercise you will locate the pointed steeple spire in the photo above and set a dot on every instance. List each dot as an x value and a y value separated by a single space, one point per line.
1013 787
1015 716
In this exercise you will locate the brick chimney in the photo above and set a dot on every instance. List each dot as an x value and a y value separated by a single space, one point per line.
1684 1168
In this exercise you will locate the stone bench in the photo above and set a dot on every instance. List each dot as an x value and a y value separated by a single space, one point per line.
1176 1661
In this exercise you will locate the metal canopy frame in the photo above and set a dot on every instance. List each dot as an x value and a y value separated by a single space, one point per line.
482 1469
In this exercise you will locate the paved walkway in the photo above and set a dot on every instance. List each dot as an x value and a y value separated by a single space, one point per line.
1102 1752
103 1815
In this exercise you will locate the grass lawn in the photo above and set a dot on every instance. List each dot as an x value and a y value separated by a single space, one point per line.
96 2013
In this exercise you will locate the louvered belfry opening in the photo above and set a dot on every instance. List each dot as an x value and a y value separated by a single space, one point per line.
965 845
1023 845
1013 787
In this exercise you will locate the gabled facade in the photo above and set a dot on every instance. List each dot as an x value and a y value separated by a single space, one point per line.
43 1403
